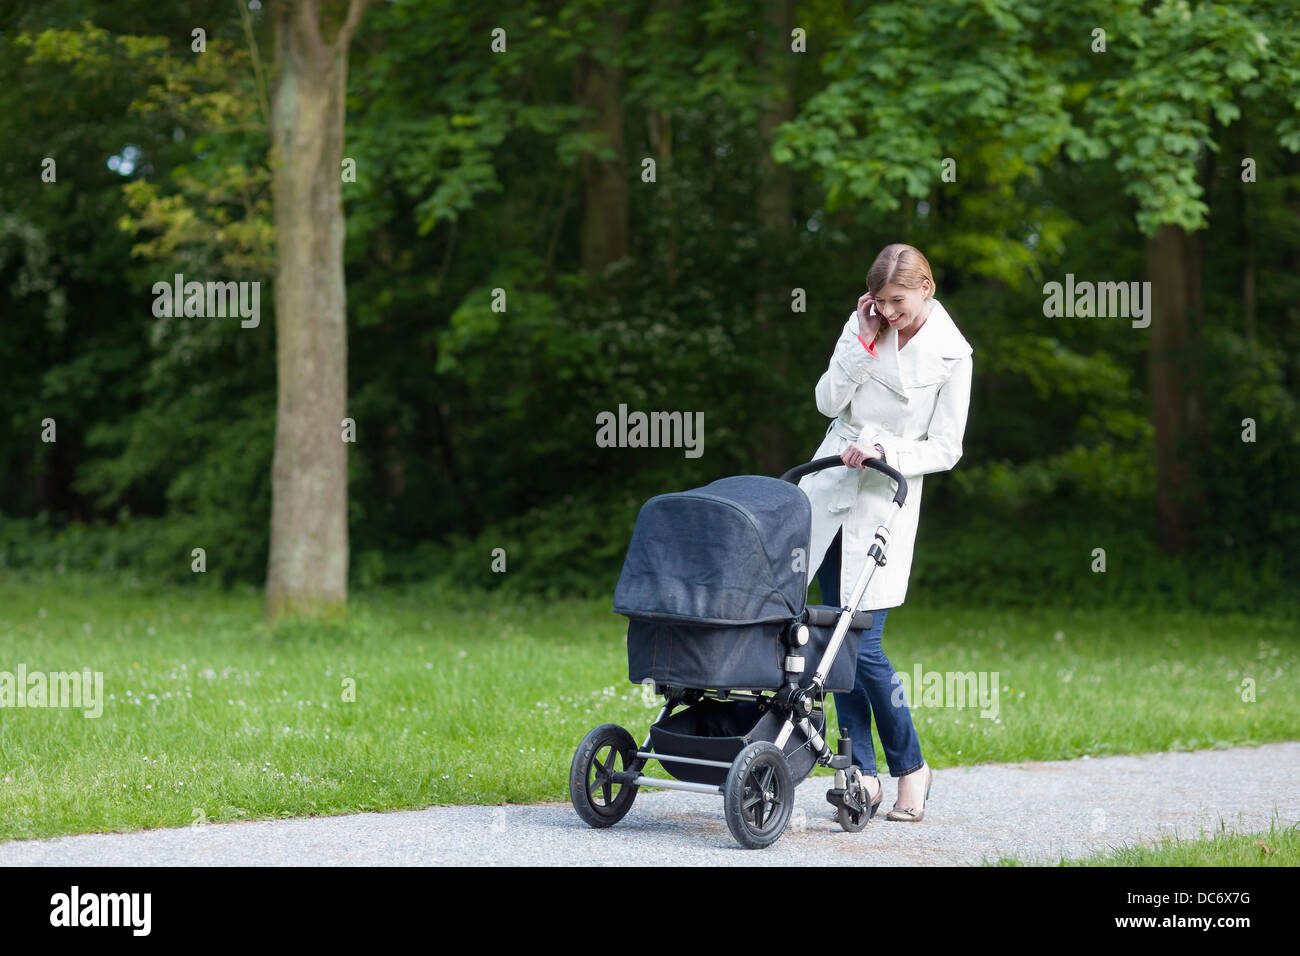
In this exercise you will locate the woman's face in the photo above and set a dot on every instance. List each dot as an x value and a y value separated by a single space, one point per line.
901 307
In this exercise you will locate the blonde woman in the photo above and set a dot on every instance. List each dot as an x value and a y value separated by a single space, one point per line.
897 388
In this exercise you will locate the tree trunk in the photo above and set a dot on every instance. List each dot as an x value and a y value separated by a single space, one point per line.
1292 165
776 189
1249 303
308 567
1172 264
659 124
775 202
598 86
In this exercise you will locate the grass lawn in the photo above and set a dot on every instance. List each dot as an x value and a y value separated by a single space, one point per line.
210 715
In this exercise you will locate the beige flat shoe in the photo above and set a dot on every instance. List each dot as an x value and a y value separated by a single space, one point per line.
910 814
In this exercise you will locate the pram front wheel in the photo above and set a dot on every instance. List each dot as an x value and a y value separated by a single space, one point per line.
599 800
758 796
854 821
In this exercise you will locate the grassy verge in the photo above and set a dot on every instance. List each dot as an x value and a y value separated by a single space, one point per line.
210 715
1280 846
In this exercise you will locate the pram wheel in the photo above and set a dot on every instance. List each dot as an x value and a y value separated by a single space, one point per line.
759 795
851 820
598 799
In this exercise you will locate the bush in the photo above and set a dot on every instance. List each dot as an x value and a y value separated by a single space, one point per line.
575 548
989 561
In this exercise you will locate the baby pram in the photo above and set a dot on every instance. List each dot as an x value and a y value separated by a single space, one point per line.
714 588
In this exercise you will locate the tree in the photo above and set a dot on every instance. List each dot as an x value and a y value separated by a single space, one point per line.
775 203
307 570
598 87
1185 71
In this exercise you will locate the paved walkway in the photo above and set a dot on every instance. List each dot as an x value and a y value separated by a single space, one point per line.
1038 812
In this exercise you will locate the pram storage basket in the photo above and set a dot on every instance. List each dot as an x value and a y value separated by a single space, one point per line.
718 730
709 729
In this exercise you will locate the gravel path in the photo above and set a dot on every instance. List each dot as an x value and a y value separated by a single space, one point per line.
1036 811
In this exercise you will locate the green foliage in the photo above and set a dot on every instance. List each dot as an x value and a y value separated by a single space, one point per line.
139 549
1182 69
1251 471
476 428
572 547
993 561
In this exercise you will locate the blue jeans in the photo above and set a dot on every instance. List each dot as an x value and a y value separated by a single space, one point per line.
877 686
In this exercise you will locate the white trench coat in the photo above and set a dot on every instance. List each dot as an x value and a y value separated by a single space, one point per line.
913 403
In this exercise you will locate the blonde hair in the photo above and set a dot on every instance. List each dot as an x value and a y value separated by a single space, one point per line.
900 263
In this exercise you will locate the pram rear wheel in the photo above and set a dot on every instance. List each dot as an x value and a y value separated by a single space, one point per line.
598 799
759 795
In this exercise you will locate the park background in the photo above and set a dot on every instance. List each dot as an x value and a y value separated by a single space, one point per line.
508 147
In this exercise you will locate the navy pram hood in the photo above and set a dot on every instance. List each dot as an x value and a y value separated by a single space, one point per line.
732 552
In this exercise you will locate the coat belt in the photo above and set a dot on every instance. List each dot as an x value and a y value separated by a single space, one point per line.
843 489
841 428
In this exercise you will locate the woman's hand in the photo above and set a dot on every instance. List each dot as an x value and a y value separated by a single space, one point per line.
868 318
853 456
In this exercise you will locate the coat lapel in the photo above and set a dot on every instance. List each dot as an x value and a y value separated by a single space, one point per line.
946 340
939 339
886 370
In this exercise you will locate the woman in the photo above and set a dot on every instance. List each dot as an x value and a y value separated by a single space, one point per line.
897 388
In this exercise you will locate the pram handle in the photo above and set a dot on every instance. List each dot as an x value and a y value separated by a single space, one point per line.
818 464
